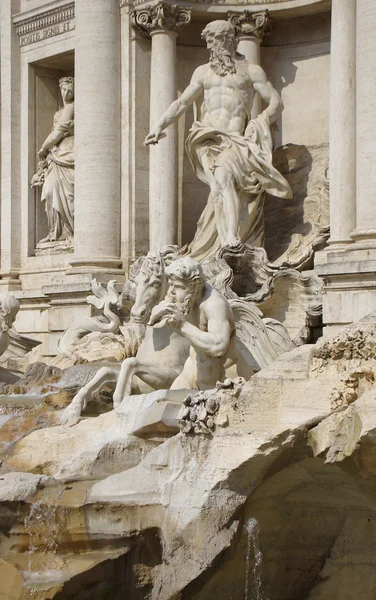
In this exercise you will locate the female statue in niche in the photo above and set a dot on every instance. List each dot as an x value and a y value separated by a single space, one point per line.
56 168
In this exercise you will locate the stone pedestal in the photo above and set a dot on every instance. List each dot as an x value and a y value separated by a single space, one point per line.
49 309
349 285
161 23
97 136
251 28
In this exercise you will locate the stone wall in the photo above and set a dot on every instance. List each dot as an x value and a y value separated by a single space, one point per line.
39 45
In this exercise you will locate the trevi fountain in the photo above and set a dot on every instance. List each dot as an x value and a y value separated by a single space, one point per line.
188 300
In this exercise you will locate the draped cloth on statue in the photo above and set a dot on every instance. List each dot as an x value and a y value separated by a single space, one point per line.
249 160
58 188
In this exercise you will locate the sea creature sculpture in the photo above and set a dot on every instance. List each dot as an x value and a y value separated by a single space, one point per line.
102 299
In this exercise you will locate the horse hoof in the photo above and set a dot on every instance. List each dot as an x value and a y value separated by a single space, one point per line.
70 416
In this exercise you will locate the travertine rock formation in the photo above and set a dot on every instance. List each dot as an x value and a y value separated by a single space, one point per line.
282 455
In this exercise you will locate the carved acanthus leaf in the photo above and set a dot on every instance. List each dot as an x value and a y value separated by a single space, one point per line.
161 17
252 24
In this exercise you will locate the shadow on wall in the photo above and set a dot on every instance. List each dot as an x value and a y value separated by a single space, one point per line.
294 227
128 576
281 81
317 533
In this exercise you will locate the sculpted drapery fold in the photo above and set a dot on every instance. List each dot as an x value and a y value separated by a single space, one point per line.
56 169
58 189
249 160
229 151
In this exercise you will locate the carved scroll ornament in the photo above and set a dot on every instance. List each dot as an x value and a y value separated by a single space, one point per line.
252 24
160 17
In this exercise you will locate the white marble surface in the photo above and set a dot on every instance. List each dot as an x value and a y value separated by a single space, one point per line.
97 135
343 122
365 232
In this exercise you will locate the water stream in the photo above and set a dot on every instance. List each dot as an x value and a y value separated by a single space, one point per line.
43 524
253 578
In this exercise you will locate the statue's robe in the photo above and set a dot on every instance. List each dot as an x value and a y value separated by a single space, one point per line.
58 188
249 160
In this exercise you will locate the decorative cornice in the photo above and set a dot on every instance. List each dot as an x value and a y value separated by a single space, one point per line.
233 3
49 18
251 24
160 17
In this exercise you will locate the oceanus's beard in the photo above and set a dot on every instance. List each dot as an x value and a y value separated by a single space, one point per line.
186 305
221 61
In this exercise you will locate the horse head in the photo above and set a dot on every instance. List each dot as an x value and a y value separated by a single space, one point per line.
151 282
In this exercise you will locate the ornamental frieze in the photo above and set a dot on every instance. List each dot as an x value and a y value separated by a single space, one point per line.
229 2
45 25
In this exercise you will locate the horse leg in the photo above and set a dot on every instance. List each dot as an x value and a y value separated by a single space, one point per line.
155 375
124 383
105 376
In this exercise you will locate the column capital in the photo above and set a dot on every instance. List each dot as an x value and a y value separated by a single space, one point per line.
250 24
160 17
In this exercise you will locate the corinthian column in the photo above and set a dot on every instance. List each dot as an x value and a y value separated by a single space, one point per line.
97 135
251 28
365 232
10 142
162 23
342 130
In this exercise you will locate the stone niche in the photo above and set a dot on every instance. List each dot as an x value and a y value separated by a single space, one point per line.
45 101
42 51
295 57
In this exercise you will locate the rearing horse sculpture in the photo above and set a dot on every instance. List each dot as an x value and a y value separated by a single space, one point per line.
162 354
168 349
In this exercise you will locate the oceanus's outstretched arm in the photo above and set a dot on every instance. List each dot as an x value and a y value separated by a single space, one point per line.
178 107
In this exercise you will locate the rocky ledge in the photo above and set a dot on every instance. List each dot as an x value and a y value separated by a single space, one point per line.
288 455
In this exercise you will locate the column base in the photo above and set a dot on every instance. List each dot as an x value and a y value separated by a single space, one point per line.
85 265
340 243
9 281
364 238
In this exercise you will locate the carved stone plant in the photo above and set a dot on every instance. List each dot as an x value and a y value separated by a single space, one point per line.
350 387
200 411
356 342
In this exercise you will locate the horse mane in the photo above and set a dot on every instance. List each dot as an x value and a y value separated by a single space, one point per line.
152 265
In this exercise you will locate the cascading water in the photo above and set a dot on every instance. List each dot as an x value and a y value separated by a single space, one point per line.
253 581
42 526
